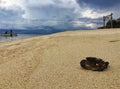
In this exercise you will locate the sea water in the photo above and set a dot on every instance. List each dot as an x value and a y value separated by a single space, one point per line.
19 36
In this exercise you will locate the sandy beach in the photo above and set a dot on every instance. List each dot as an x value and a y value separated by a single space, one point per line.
52 61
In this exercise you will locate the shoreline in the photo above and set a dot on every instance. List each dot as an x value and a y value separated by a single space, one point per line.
87 32
18 37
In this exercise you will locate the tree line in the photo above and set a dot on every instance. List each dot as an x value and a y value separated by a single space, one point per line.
115 24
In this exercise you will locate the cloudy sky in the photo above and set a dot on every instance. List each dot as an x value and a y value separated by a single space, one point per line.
58 14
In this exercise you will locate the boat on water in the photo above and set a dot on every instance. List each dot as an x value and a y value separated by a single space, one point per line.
8 34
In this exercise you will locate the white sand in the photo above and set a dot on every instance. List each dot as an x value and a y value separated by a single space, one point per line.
52 61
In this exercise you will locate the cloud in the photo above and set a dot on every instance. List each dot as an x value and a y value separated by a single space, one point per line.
100 4
10 15
59 14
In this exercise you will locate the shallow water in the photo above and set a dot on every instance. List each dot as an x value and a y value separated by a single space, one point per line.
19 36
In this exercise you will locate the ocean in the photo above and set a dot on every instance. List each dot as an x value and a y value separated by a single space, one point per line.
19 36
28 33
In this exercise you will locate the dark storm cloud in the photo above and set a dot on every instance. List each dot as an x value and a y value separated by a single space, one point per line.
100 3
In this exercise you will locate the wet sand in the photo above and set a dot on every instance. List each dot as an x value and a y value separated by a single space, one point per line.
52 61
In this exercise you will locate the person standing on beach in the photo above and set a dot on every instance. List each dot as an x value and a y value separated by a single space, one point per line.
11 33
